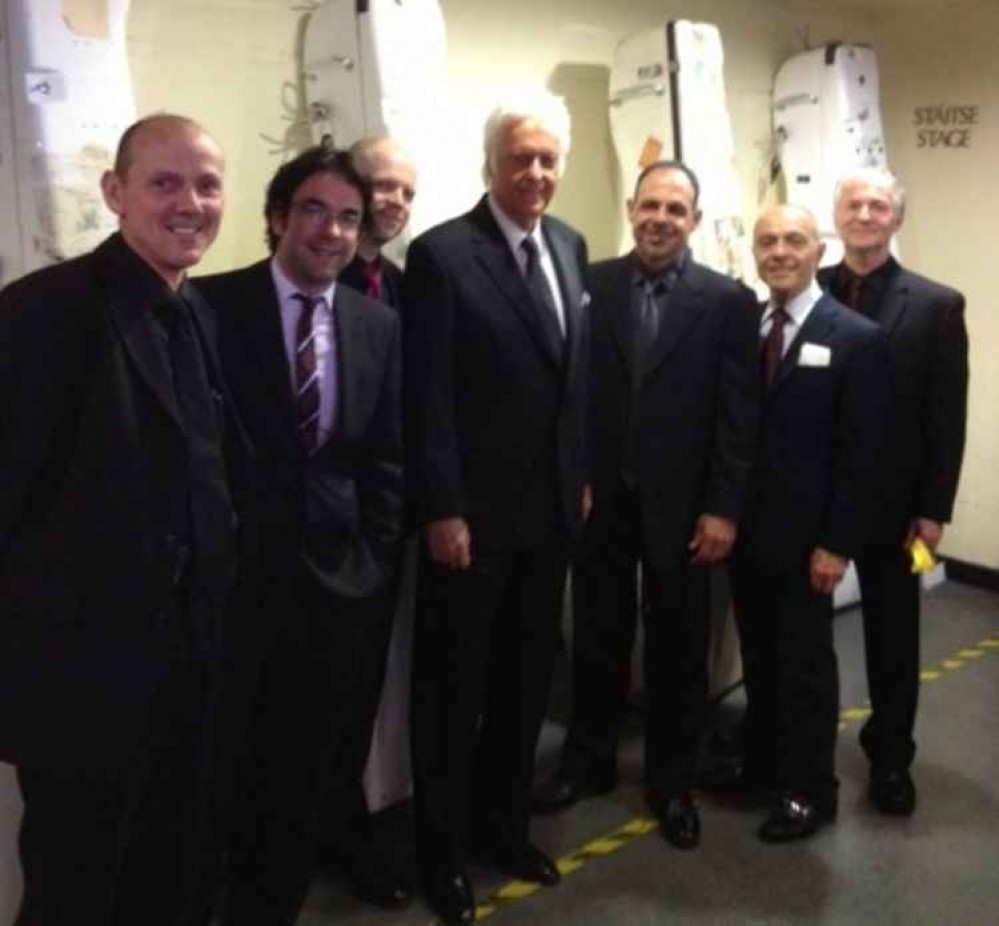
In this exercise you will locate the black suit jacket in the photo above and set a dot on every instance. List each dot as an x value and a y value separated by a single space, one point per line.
93 496
818 469
495 415
697 409
339 509
392 281
928 342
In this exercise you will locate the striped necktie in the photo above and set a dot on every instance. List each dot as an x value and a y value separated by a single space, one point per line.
307 374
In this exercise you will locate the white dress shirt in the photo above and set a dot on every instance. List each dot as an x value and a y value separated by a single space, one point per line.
797 309
324 330
515 236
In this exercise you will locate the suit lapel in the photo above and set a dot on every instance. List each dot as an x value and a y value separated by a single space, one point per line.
892 307
820 322
683 308
572 289
493 254
616 303
259 315
147 348
351 358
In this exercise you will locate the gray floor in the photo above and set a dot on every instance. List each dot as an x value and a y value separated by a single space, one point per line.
941 866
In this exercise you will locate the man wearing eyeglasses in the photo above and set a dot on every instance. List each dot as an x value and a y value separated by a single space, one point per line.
315 369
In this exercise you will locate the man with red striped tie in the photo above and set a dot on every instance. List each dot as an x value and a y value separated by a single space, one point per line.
315 369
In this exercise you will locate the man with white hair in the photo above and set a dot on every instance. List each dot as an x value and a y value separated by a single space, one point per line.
924 322
495 356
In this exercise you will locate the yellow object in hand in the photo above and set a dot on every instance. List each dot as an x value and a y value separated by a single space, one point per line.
922 559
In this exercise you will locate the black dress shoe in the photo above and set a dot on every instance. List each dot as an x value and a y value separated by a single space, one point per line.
679 821
449 894
793 817
893 791
568 788
526 862
374 882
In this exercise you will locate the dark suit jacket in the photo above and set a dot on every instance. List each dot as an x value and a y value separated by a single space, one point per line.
92 501
818 467
494 413
392 281
698 408
928 343
340 509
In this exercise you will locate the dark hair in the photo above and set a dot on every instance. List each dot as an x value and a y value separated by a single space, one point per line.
123 154
671 165
289 177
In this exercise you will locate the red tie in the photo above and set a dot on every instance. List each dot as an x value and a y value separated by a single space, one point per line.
773 346
371 271
306 374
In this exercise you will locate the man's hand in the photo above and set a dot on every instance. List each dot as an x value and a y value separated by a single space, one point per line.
587 501
450 543
827 570
926 530
713 539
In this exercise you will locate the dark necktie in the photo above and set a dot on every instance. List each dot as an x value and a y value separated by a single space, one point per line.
544 301
307 374
371 273
854 290
647 324
773 345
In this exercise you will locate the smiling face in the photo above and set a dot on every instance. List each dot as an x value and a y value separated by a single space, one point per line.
318 235
866 218
524 171
393 187
169 196
787 249
662 216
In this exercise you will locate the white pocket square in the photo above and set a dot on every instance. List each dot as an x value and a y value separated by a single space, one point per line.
814 355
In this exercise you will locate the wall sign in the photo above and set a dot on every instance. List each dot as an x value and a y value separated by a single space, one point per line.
944 125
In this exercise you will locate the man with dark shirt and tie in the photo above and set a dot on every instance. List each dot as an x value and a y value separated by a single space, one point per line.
121 462
315 369
391 175
674 406
924 322
348 839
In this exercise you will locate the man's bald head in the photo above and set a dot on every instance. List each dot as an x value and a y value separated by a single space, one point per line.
787 249
154 124
391 174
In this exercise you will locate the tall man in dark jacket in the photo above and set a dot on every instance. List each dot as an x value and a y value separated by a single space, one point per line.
495 366
924 322
674 402
314 368
118 545
825 376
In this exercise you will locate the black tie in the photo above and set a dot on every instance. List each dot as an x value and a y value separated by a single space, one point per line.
541 292
773 346
646 325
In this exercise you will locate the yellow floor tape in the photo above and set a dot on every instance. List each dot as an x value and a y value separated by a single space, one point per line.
516 891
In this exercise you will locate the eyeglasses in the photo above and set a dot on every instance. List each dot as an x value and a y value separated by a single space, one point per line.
317 213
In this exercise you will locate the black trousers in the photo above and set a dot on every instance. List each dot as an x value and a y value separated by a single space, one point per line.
675 611
127 846
299 715
345 822
890 603
791 677
483 653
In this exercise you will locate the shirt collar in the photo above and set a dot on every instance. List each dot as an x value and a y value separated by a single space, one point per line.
668 275
875 282
799 306
286 289
513 233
